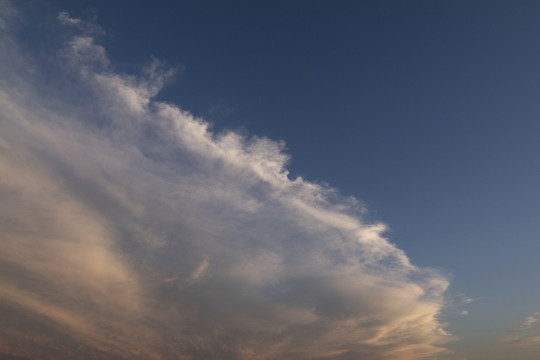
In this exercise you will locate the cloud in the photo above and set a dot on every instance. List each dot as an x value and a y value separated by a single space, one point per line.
65 19
523 334
529 321
7 12
131 231
464 312
533 340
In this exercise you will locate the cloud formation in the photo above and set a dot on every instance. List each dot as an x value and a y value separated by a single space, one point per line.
530 320
131 231
524 335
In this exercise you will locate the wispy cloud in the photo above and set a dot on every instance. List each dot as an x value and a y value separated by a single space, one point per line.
530 320
130 230
65 19
533 340
524 334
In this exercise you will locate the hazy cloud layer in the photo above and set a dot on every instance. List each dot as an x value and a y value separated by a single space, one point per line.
130 231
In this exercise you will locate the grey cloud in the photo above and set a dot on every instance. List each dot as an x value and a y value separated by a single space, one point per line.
130 231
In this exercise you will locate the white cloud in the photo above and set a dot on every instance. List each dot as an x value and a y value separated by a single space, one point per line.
132 231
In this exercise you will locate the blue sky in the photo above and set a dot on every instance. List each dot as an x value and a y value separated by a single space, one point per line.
424 112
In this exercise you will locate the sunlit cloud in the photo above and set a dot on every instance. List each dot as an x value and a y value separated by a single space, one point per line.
131 231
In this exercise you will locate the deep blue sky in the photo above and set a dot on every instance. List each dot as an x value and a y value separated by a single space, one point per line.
426 111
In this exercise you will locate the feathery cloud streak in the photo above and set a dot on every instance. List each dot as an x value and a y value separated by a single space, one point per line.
131 231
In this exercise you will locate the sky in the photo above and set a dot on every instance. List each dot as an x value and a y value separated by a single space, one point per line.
269 180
